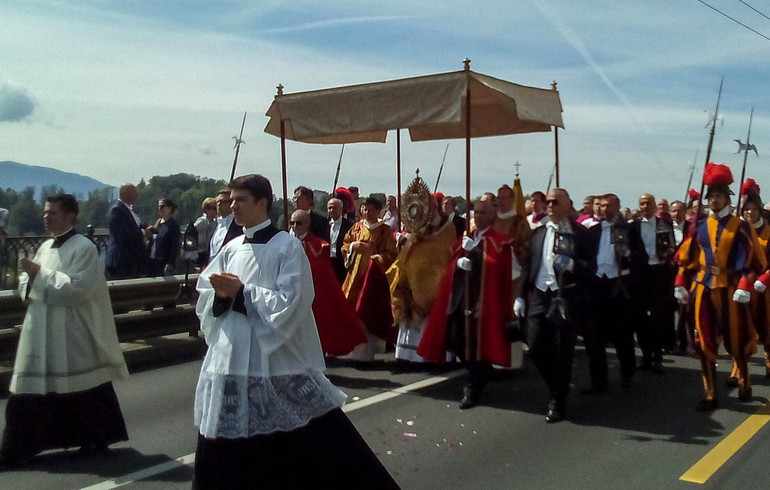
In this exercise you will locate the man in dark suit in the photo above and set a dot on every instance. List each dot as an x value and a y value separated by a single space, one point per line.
126 254
655 298
338 228
553 296
448 206
303 199
619 256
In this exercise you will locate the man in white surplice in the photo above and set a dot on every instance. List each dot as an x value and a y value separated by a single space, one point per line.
68 353
263 406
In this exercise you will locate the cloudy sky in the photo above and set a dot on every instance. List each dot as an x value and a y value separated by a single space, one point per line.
122 90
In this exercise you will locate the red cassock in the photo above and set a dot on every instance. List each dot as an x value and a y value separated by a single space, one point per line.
374 304
338 325
496 306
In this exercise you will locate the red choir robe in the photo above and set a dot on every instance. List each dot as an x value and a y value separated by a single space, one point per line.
338 325
495 310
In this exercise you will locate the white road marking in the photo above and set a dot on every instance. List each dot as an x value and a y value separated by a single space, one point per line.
349 407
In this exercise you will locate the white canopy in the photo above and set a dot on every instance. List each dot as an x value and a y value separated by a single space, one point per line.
432 107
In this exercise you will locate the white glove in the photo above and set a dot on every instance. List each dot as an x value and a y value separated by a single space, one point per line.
464 263
468 243
168 270
519 307
741 296
759 286
681 295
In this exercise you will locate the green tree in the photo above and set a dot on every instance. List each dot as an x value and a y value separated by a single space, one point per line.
26 216
93 211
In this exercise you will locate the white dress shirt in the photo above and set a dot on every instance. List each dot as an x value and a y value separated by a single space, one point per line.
679 232
648 227
218 237
546 278
606 262
334 232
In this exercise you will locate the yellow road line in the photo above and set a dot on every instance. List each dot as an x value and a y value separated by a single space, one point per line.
717 457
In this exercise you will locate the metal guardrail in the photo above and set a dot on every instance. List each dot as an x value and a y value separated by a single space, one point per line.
14 247
143 308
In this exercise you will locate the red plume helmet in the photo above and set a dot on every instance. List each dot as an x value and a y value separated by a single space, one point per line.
718 177
694 195
346 197
439 197
717 174
749 187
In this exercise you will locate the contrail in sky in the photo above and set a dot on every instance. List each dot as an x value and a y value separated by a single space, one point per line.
323 24
572 38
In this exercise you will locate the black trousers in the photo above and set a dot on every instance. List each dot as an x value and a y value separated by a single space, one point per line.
612 322
655 313
551 346
328 452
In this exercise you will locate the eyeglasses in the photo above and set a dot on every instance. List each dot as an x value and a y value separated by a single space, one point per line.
161 206
555 202
293 223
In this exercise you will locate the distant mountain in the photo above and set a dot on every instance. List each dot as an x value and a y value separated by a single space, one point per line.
18 176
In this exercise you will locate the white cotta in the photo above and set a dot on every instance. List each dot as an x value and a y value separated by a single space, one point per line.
263 371
68 340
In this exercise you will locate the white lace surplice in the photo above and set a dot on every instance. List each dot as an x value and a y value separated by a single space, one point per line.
263 371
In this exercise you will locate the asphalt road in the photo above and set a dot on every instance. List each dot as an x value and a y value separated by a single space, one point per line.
643 437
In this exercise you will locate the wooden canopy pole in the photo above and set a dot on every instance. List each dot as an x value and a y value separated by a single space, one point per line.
398 178
556 142
471 340
283 167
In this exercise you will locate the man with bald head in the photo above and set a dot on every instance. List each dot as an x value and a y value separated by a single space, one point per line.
654 296
126 255
338 228
553 296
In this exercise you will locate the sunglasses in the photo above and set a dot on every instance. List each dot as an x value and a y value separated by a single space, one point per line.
555 202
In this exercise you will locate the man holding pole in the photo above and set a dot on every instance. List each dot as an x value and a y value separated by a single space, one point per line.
487 265
720 250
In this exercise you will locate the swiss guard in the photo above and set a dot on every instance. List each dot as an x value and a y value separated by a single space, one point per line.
720 253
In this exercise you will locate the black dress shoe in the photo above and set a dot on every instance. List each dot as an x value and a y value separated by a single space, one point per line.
744 395
553 415
706 405
468 401
732 382
594 390
657 367
93 448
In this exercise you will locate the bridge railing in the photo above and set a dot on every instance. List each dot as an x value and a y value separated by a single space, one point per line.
12 248
143 308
